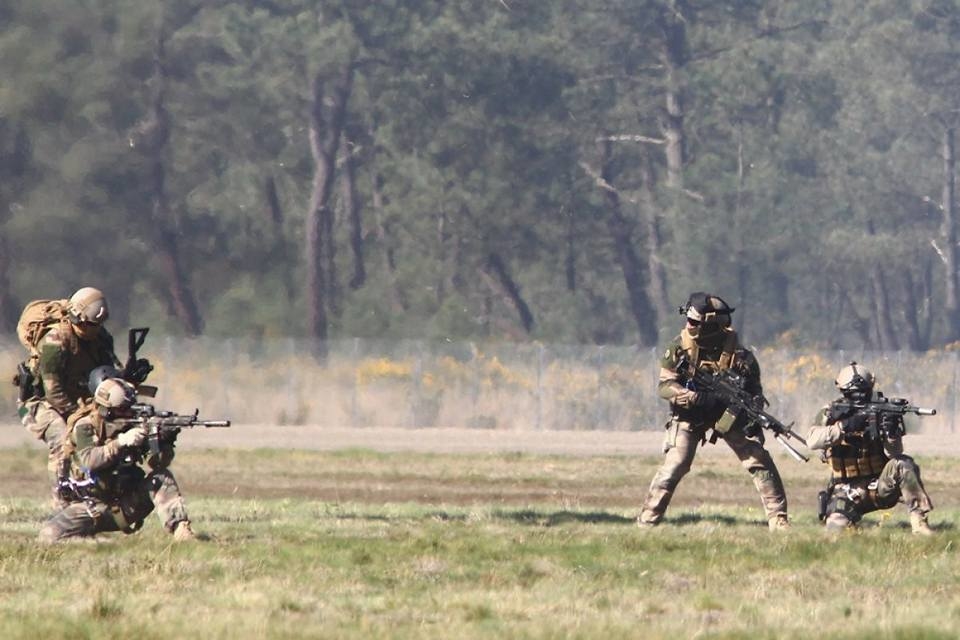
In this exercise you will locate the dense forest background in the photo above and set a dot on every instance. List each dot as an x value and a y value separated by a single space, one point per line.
565 171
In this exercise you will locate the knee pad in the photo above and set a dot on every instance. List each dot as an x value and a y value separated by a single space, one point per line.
843 507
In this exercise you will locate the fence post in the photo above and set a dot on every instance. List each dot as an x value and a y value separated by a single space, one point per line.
539 420
415 399
353 382
952 393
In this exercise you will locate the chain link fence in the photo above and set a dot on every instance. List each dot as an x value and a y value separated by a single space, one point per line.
416 384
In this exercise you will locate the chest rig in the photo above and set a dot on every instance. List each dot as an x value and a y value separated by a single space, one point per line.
856 458
709 357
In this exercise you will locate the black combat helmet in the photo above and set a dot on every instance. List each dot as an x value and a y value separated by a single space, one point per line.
100 374
706 314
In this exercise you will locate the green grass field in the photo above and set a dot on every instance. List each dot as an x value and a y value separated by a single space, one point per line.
357 544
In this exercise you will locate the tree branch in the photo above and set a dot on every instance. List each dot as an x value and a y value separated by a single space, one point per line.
631 137
603 184
760 35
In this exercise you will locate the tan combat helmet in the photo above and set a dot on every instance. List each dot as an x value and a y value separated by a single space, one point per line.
855 380
113 393
88 310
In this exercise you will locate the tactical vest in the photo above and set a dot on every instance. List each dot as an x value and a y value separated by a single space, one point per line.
712 357
724 360
855 460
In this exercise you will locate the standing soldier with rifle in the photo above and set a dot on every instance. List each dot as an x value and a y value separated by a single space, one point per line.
110 440
860 436
708 345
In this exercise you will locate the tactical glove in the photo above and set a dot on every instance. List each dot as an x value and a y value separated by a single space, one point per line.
137 370
836 414
690 398
133 437
856 423
703 399
685 398
890 425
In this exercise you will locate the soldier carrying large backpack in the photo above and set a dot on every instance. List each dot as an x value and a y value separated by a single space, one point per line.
66 341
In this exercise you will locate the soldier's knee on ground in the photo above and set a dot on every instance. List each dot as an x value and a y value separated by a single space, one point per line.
49 534
837 522
183 532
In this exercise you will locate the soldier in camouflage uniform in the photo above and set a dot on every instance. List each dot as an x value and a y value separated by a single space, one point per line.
868 473
110 490
708 342
68 352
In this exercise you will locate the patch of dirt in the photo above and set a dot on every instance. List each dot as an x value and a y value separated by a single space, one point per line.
443 440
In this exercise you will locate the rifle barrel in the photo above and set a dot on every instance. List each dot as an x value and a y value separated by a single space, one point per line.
799 457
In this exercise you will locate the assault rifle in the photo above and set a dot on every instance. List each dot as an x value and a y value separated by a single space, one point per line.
163 425
871 415
727 387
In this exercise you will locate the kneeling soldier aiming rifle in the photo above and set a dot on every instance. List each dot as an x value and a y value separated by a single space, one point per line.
115 480
860 436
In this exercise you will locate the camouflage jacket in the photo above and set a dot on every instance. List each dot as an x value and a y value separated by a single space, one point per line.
65 364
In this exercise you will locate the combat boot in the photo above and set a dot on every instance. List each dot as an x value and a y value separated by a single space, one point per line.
647 519
919 524
779 522
183 532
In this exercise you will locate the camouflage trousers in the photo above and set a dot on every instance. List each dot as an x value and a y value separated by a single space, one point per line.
47 425
157 490
899 480
681 444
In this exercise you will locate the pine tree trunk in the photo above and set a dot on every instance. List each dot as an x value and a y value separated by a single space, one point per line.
383 233
952 301
154 134
658 275
511 290
326 127
674 58
9 308
351 207
630 265
881 311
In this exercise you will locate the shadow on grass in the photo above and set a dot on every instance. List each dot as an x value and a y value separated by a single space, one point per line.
540 519
716 518
941 527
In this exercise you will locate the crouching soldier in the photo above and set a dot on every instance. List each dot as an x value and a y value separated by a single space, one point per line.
861 438
109 489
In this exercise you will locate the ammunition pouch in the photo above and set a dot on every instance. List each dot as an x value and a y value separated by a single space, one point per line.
862 464
670 436
726 422
133 503
823 499
25 381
